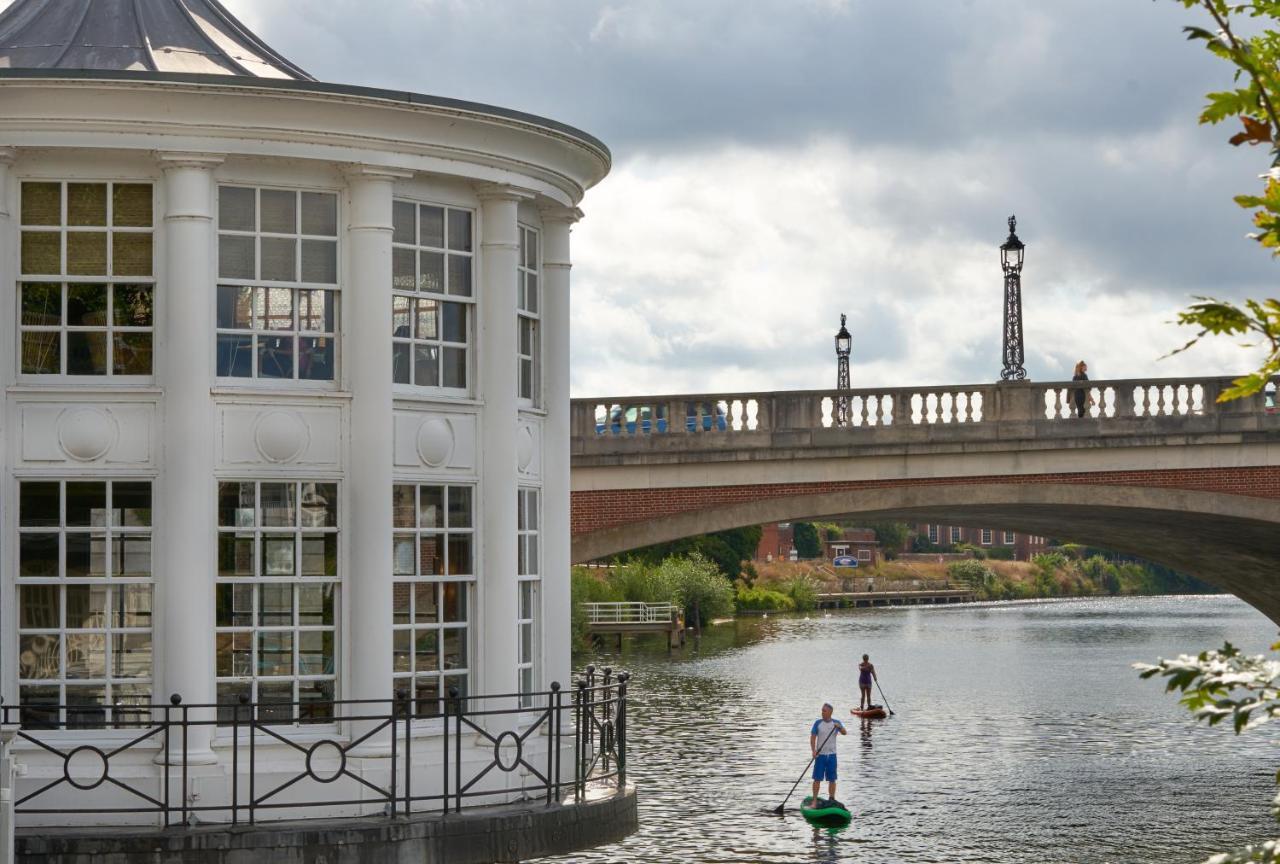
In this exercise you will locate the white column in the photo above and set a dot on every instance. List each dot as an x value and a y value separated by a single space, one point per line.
8 374
499 257
556 558
185 523
367 358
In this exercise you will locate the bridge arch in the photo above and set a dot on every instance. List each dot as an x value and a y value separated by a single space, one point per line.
1232 541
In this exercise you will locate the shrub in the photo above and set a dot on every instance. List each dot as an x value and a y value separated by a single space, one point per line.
973 573
698 586
764 600
1000 553
969 549
803 591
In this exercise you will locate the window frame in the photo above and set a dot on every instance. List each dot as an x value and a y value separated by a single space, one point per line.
986 536
404 649
934 533
296 288
1009 538
65 280
259 530
529 284
529 574
109 534
957 534
410 297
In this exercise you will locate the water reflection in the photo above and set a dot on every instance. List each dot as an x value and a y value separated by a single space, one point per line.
1059 754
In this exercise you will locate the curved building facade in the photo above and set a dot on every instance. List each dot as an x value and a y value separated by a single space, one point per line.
286 394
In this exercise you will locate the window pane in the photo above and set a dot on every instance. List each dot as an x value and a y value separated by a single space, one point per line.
131 655
426 604
402 515
400 363
236 257
278 505
131 354
275 357
531 292
401 602
86 607
86 656
426 650
237 209
274 308
320 555
87 305
401 317
131 556
460 230
38 504
86 504
87 204
38 555
315 604
426 702
275 604
315 653
403 277
235 307
320 261
131 205
315 358
41 304
455 648
426 365
320 213
402 213
87 353
38 657
235 555
279 259
131 306
41 353
431 555
402 549
319 505
455 322
279 211
427 321
460 275
234 609
455 367
41 252
460 555
526 379
430 226
132 606
431 278
275 657
531 250
131 254
459 506
315 311
235 505
235 356
41 204
277 556
86 556
401 659
454 603
39 607
87 253
431 506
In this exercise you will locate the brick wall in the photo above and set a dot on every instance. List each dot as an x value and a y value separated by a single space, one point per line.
594 510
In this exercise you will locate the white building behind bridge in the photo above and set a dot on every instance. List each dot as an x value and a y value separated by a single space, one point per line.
286 382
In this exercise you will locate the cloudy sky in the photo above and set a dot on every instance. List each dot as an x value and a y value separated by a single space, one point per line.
778 162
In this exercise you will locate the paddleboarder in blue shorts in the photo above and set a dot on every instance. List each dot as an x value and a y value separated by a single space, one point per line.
822 741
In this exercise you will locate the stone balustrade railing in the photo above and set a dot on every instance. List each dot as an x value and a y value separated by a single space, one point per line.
968 404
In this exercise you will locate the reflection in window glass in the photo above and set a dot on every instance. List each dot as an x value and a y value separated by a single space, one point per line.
84 603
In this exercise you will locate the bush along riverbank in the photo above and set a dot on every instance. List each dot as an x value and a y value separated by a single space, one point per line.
697 585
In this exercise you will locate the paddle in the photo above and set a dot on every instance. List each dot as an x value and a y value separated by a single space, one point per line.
886 701
779 808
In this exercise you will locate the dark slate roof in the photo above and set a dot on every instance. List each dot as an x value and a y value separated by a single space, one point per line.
166 36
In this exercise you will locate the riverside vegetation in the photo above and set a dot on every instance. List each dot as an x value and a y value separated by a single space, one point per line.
697 584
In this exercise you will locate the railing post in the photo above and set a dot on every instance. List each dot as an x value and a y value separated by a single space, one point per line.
168 772
457 749
579 741
241 701
557 701
176 700
621 723
444 783
553 740
403 704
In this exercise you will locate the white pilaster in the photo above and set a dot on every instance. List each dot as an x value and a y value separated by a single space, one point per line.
8 374
556 556
7 156
496 345
185 513
367 357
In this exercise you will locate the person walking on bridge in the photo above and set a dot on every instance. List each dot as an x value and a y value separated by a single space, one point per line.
866 674
1080 394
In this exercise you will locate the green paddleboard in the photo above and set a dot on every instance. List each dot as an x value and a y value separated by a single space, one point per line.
824 813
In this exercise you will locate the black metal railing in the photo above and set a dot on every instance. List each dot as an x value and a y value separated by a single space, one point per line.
474 740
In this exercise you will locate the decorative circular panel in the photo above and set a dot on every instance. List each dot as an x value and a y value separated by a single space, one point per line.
85 767
435 441
524 448
281 436
86 434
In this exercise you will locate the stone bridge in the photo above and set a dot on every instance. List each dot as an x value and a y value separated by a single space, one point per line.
1157 468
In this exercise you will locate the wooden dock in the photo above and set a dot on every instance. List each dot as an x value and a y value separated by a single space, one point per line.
858 599
625 618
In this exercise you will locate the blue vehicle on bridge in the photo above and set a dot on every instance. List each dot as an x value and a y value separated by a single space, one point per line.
645 419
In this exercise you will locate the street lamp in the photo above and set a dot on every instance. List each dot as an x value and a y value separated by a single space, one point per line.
844 342
1011 253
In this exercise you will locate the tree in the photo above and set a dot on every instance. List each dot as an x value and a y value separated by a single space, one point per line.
805 537
892 537
1257 62
727 549
1226 685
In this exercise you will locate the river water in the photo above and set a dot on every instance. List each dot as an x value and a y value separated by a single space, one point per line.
1021 735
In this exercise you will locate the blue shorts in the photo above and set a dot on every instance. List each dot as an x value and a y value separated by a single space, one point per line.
824 768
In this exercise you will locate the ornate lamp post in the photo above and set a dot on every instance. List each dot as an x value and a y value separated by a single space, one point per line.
1011 262
843 343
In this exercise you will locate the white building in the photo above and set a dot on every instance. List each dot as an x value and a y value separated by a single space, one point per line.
286 388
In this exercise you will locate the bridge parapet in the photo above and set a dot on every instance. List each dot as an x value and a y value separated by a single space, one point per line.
965 404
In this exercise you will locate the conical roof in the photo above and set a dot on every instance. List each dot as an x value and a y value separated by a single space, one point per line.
168 36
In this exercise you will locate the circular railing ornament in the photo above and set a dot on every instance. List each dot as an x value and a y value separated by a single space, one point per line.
501 748
88 764
334 750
